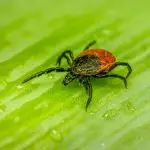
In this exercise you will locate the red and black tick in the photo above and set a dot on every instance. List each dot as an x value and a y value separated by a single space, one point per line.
91 63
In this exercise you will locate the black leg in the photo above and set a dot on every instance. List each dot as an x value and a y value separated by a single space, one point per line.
88 87
69 78
123 64
112 76
89 45
60 58
46 71
64 55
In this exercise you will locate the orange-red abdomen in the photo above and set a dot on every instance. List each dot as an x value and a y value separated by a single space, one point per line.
107 60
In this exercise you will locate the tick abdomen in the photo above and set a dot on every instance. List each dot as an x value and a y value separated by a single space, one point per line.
86 65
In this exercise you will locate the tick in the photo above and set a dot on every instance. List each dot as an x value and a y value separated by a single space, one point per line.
91 63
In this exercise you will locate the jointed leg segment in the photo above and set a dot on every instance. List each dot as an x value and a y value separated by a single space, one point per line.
123 64
66 57
69 58
90 44
113 76
46 71
88 87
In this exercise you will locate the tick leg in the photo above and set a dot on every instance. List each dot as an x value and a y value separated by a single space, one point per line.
60 59
69 78
113 76
88 87
123 64
89 45
46 71
64 55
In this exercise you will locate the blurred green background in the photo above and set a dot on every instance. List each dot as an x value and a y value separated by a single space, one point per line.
45 115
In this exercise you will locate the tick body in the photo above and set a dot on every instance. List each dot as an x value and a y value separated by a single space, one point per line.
91 63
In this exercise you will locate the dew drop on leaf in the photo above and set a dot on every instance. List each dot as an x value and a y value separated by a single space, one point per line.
50 76
110 114
16 119
107 32
56 135
3 84
102 144
92 113
19 86
128 107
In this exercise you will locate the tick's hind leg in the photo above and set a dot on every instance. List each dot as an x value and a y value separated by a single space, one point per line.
88 87
68 55
89 45
123 64
113 76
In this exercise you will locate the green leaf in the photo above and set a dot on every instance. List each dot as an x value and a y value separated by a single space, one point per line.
45 115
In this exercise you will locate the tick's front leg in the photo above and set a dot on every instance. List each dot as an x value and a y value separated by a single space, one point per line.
90 44
69 57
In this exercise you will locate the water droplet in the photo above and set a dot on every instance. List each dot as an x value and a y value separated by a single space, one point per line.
19 86
107 32
50 76
102 144
56 135
17 118
1 111
128 107
3 83
110 114
92 113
